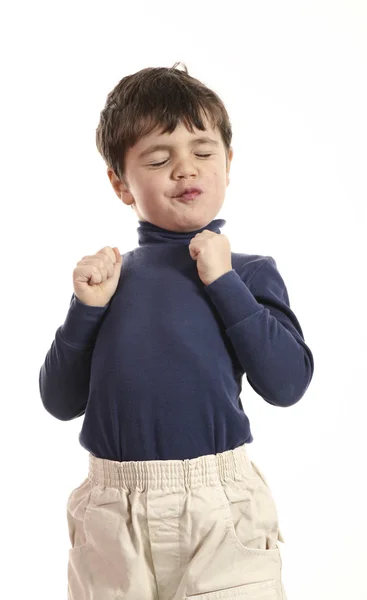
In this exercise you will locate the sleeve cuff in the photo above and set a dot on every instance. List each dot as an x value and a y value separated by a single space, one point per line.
232 298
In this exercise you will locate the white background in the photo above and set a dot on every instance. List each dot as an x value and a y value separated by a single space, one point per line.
293 78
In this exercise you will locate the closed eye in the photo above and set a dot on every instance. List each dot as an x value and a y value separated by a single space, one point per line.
162 163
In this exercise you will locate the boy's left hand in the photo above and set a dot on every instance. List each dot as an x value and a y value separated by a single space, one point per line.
212 252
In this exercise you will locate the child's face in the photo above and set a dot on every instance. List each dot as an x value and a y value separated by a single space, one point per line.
152 188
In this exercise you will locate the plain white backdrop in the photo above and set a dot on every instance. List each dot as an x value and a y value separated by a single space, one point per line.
293 78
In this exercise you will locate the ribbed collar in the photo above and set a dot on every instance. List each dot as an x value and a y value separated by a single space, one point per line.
152 234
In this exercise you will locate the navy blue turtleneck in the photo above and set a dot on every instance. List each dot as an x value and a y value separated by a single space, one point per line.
158 371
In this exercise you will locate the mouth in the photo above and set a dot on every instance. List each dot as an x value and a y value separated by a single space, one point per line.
189 192
188 197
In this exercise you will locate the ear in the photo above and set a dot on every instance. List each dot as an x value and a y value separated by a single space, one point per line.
229 161
121 188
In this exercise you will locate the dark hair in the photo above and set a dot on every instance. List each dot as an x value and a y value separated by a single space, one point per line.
156 97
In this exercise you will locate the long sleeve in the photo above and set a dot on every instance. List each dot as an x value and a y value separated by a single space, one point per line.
265 333
65 374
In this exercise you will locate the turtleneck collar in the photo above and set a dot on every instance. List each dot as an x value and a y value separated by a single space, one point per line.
152 234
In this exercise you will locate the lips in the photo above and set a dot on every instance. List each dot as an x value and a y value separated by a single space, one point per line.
188 191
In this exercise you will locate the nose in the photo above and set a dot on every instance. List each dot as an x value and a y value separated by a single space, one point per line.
185 168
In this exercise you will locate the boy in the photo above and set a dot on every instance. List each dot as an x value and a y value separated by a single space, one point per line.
153 350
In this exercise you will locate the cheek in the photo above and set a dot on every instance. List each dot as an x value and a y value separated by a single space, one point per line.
154 184
218 181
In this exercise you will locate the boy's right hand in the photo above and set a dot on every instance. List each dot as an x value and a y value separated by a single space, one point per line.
95 278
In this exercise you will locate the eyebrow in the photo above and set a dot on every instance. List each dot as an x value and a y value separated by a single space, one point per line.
154 147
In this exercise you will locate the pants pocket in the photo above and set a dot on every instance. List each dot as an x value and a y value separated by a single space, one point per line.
262 477
78 505
251 514
264 590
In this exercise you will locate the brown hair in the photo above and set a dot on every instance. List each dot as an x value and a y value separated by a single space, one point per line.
156 97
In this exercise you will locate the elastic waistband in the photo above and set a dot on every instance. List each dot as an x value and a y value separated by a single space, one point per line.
208 470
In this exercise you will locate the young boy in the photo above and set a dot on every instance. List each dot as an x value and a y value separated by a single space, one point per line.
153 351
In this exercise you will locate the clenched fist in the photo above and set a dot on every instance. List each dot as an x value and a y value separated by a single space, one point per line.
95 278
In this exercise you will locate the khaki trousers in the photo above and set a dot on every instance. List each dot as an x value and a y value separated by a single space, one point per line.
199 529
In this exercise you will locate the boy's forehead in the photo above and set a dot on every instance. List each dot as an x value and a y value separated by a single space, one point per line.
182 130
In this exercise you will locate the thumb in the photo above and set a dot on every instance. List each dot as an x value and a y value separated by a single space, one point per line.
118 256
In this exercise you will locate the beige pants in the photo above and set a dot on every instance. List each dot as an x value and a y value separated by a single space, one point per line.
199 529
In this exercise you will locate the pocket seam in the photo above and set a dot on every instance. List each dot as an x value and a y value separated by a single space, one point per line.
249 588
230 529
83 547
